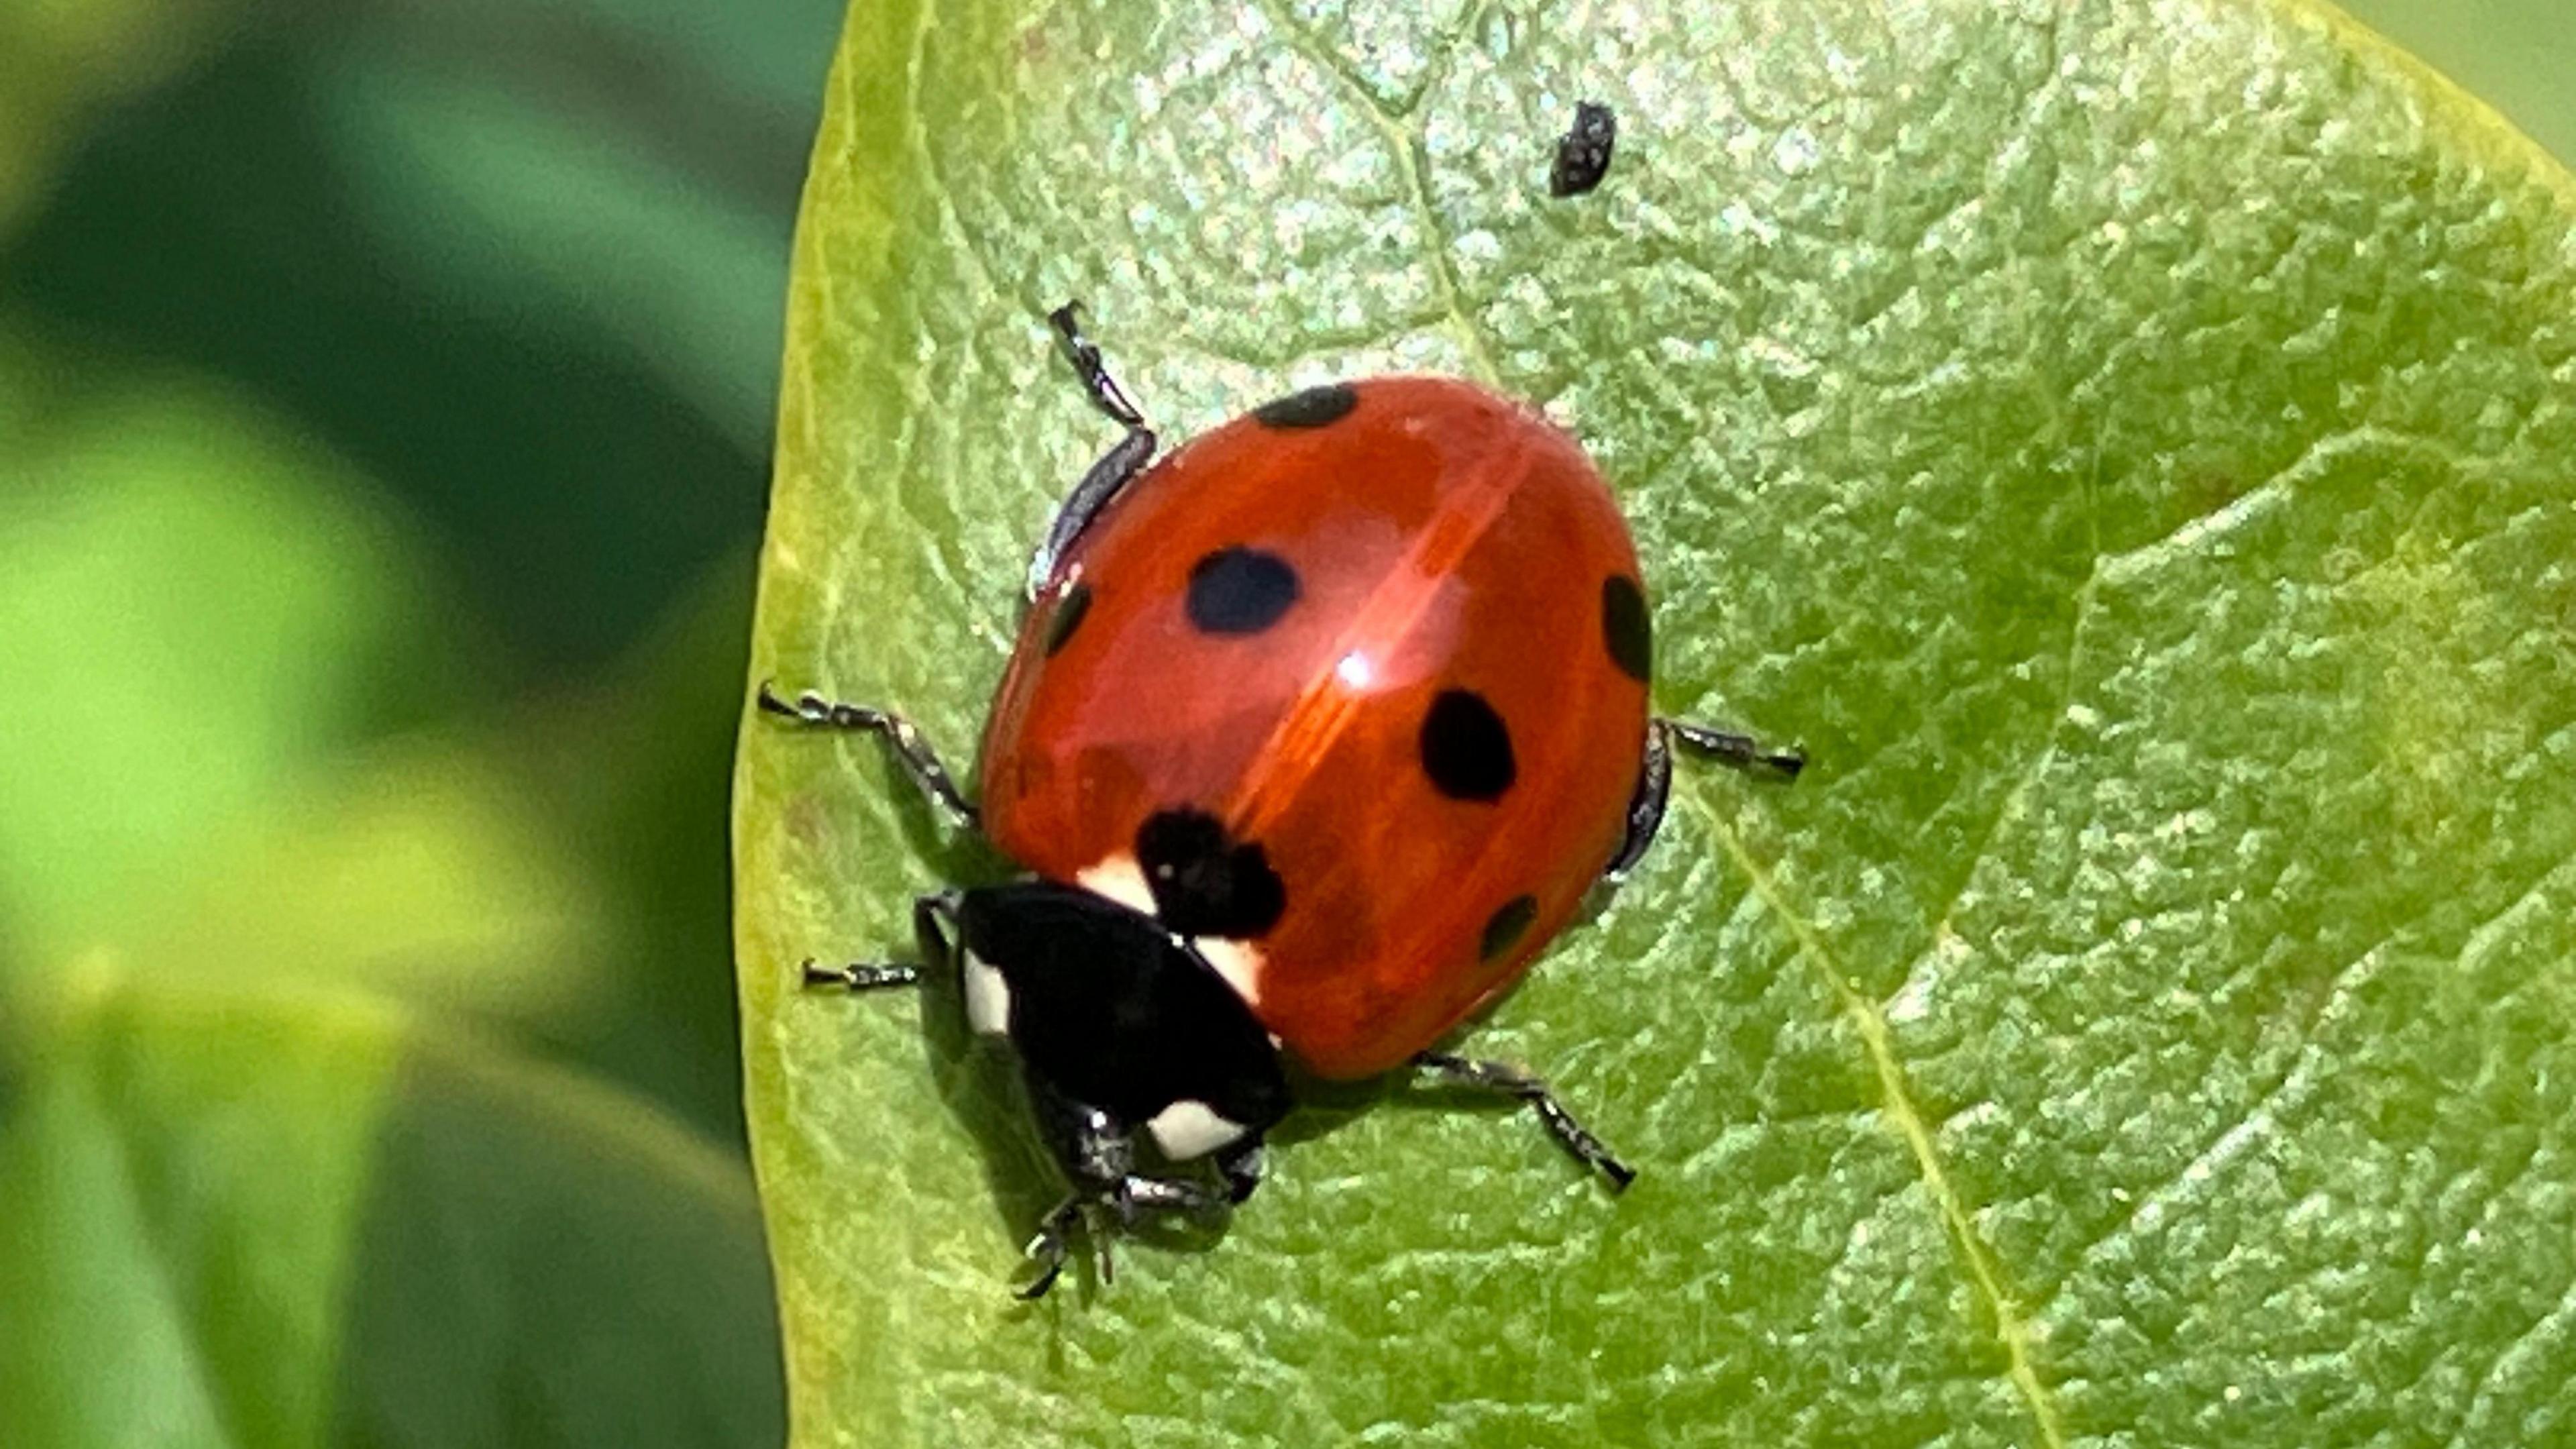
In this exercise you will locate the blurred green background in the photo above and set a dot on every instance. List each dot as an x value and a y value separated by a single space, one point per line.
385 394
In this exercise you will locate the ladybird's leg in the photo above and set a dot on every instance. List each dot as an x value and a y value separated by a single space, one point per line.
920 761
860 975
1646 807
1049 1247
1240 1164
1125 459
927 911
1129 1198
1135 1195
1511 1081
1084 354
1655 780
1740 750
927 933
1138 1194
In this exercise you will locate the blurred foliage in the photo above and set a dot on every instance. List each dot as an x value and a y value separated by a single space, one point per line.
61 58
385 398
384 413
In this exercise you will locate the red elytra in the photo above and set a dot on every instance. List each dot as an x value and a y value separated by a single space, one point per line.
1436 540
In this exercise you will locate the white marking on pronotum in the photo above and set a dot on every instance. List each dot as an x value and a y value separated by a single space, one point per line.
988 997
1118 878
1239 962
1190 1129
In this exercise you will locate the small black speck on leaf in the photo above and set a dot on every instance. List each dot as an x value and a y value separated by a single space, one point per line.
1583 153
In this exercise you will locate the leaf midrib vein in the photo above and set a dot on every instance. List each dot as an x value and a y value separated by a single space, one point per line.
1984 1268
1984 1272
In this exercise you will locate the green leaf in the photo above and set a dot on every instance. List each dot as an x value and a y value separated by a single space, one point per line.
265 1220
2126 443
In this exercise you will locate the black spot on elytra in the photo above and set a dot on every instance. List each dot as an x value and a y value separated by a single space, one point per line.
1312 408
1465 749
1627 627
1506 926
1583 153
1240 590
1069 609
1204 883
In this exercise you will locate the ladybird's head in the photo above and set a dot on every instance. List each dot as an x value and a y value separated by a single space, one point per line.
1123 1029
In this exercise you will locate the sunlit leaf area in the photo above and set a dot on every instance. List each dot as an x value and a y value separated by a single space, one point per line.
2129 443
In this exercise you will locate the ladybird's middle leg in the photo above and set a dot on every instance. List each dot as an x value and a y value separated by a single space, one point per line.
920 761
1125 459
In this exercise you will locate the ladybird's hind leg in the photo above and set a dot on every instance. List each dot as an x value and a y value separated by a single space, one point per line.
920 761
1125 459
1655 779
1740 750
1513 1082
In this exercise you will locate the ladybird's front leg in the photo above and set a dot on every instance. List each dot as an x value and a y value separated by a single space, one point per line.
920 761
1053 1242
1655 778
1128 1200
1097 1152
1513 1082
1240 1165
927 932
860 975
1125 459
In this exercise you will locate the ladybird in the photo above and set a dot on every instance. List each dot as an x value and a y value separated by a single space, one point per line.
1316 732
